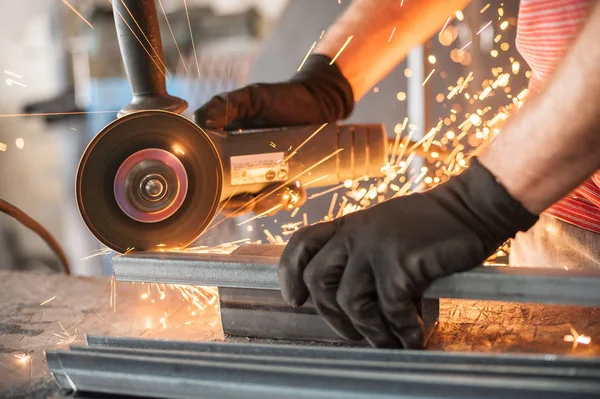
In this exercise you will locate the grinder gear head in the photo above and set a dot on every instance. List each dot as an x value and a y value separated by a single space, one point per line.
150 180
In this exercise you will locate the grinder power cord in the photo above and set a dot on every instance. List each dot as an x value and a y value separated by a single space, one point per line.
365 271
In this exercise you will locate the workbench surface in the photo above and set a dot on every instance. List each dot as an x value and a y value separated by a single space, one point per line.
99 306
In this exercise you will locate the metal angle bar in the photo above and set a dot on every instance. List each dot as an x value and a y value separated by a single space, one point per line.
507 369
345 353
255 267
181 378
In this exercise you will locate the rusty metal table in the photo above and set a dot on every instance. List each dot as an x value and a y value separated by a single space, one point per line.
83 306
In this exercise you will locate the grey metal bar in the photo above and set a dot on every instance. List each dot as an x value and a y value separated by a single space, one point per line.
254 267
146 374
586 365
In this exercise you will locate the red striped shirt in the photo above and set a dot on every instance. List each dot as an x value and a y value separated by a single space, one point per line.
545 31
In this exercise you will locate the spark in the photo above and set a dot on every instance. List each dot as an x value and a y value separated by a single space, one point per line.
504 25
23 358
20 143
305 219
272 144
260 215
191 36
304 142
57 113
322 33
292 215
307 54
428 76
173 35
3 146
341 49
332 205
432 59
485 26
78 14
484 8
145 37
459 15
326 191
12 74
65 336
10 82
464 47
98 252
270 237
48 300
577 338
316 180
445 25
390 39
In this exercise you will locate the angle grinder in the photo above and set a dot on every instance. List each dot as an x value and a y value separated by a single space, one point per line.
154 180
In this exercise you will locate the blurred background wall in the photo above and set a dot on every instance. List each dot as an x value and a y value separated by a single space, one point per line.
53 62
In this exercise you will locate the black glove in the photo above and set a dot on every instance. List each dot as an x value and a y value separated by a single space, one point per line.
366 270
317 94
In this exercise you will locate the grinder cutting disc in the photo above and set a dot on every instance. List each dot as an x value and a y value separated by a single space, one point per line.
148 181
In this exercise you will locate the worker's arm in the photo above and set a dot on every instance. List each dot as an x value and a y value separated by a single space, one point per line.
364 271
373 51
553 143
321 92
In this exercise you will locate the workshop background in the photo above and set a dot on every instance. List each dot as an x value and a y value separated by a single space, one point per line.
62 57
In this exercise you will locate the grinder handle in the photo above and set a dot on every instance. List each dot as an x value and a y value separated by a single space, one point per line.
141 49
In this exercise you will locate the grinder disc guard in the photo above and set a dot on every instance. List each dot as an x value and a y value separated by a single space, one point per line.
151 180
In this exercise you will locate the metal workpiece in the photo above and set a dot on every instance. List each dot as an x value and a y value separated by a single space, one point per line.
254 266
264 314
128 366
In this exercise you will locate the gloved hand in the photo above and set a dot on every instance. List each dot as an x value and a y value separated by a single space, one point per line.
317 94
365 271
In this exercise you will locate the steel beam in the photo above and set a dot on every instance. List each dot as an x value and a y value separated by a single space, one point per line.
185 369
254 267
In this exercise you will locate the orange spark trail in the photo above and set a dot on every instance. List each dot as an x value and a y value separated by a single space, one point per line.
57 113
191 36
78 14
304 142
173 35
316 180
341 49
444 27
427 78
306 56
486 25
464 47
393 31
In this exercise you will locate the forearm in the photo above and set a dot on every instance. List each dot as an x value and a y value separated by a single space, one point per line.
553 144
369 56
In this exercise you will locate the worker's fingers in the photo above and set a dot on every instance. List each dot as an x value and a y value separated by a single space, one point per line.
299 251
396 300
357 296
322 277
